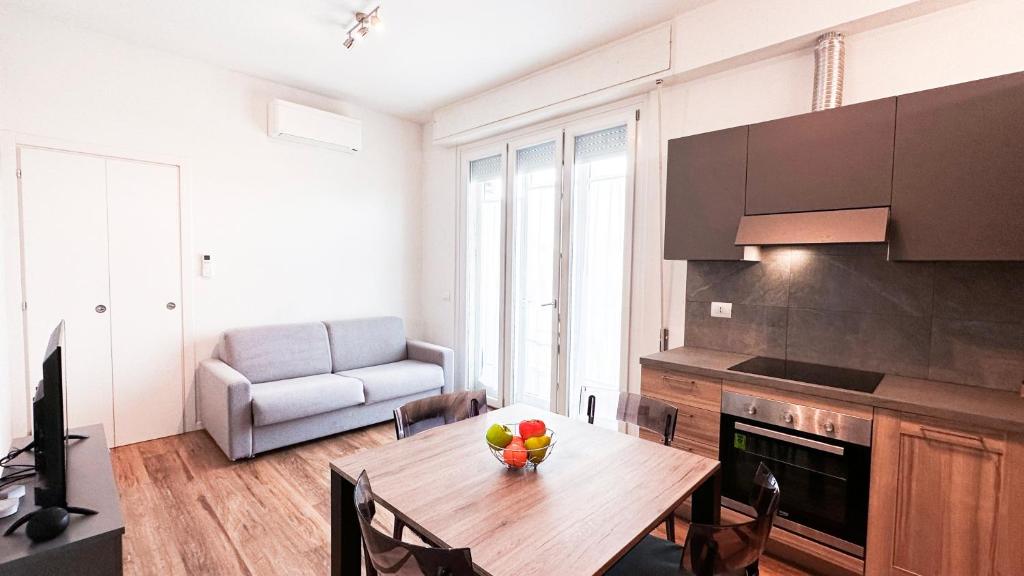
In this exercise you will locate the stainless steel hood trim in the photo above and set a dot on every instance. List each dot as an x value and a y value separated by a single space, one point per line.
862 225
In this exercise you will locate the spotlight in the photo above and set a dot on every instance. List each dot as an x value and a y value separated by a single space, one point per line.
361 27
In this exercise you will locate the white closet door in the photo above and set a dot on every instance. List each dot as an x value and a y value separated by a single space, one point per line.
64 231
145 286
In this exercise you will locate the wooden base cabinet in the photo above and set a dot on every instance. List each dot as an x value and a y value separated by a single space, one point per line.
945 499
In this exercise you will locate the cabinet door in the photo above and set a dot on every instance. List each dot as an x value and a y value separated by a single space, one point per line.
958 176
942 497
827 160
704 188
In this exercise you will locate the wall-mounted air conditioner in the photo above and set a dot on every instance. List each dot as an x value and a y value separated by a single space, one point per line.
297 123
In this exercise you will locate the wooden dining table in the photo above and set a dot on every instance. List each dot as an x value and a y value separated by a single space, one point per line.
598 493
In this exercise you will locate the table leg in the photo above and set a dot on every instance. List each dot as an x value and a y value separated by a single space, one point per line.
346 542
707 500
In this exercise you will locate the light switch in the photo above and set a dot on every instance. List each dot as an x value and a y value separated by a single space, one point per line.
721 309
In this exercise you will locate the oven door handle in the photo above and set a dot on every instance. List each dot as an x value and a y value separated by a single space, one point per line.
783 437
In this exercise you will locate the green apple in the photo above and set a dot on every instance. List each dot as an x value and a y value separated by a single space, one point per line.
499 435
537 447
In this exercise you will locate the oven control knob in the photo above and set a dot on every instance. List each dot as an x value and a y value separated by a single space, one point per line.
788 418
830 427
751 409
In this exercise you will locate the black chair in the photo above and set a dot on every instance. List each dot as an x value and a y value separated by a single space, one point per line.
711 550
386 555
419 415
647 413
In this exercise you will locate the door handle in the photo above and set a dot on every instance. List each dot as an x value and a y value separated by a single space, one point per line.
552 303
171 305
100 309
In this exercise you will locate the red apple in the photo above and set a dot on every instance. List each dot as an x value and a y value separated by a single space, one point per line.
532 428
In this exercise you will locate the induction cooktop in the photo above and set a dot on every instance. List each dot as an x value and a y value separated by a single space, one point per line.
832 376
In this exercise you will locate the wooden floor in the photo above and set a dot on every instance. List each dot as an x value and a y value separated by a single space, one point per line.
188 510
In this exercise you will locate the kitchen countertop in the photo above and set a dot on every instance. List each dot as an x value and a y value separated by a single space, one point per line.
962 404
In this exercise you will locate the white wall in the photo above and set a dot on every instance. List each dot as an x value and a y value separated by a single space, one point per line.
965 42
437 286
297 233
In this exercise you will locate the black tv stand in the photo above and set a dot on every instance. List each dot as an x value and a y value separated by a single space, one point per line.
28 517
91 544
32 445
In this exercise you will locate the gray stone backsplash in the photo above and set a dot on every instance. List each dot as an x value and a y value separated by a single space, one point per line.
848 306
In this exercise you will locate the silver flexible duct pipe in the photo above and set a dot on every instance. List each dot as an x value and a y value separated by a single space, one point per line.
829 63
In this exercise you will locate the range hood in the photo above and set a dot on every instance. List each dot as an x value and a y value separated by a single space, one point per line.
862 225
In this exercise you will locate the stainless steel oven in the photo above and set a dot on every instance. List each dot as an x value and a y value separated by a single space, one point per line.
822 460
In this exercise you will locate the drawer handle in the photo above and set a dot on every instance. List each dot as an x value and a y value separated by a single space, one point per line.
972 441
692 384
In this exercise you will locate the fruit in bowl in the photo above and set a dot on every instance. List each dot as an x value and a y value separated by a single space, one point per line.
537 446
516 445
515 453
532 428
499 435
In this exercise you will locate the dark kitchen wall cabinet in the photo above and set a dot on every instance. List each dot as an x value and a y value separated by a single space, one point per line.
958 183
704 195
827 160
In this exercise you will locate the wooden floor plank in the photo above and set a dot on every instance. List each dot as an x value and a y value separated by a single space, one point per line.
189 510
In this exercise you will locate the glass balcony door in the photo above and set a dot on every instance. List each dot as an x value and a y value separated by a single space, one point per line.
484 270
599 162
535 168
546 269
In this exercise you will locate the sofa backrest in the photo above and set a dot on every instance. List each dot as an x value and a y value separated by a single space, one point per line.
268 353
363 342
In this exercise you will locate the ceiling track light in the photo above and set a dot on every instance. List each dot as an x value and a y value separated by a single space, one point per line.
364 22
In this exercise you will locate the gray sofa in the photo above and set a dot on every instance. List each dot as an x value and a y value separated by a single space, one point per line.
272 386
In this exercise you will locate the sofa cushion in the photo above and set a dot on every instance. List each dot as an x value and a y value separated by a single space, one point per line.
284 400
397 379
268 353
366 342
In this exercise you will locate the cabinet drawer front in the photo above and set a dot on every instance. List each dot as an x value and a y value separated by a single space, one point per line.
698 448
940 434
698 425
682 389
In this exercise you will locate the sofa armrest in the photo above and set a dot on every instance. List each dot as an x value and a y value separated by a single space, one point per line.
434 354
225 404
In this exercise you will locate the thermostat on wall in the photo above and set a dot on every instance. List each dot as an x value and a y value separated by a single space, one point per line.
207 266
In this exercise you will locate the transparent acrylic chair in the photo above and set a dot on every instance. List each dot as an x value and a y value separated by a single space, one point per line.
718 550
647 413
386 555
419 415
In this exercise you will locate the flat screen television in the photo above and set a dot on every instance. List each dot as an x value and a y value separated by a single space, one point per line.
49 432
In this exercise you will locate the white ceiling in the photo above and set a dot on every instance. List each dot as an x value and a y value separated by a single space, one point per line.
429 54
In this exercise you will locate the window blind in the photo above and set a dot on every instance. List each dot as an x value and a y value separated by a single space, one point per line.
595 145
485 169
534 158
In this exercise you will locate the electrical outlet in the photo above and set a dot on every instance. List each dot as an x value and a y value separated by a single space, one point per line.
721 309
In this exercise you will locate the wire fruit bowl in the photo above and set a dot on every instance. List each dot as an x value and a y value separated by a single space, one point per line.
515 458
